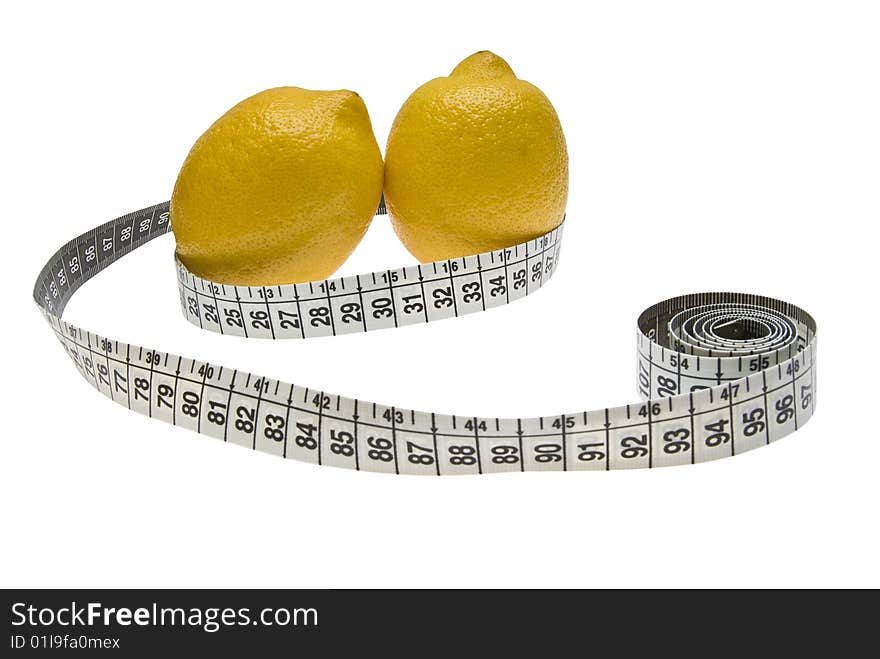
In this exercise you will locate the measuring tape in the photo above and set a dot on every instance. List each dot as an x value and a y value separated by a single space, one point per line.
720 373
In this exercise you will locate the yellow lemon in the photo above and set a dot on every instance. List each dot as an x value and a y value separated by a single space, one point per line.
280 189
474 162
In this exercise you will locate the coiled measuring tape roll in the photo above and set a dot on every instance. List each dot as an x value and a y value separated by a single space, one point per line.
721 373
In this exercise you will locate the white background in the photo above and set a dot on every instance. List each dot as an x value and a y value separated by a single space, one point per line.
713 146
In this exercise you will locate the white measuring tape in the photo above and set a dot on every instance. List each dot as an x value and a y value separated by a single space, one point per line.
721 373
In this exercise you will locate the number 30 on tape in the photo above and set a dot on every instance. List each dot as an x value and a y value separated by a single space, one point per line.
720 373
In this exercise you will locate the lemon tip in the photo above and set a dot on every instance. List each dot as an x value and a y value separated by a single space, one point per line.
483 64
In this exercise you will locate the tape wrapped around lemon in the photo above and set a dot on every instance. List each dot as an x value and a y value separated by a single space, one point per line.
283 186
